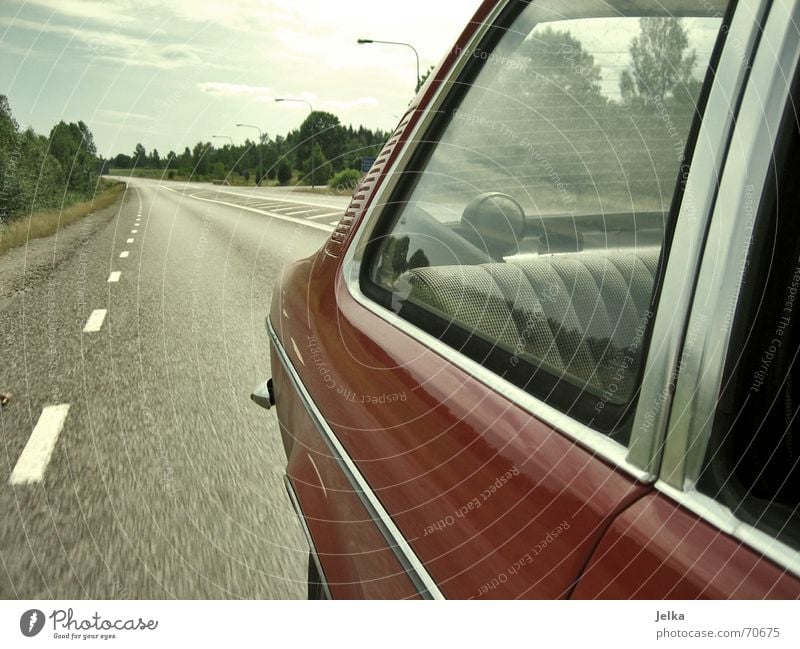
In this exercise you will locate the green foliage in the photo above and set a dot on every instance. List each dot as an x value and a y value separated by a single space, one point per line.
38 173
336 147
660 66
218 171
345 180
326 133
563 73
284 172
73 146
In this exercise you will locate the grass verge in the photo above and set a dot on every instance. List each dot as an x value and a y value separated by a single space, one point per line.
43 224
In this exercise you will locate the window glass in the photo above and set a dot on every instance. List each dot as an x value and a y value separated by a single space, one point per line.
529 237
752 462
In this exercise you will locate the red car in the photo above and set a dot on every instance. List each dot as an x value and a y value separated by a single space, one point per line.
550 349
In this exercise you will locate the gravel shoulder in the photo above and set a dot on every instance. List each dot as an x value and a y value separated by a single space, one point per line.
23 268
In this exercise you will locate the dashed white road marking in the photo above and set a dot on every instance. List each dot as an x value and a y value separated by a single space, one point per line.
129 241
35 456
114 277
95 321
296 212
124 254
134 231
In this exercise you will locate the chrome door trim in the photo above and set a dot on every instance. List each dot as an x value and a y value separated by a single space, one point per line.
724 263
711 148
641 464
298 509
727 247
413 566
721 517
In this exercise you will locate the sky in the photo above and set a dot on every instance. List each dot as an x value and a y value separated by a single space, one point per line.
171 73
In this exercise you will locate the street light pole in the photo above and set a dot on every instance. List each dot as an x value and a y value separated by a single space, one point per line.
311 111
367 41
260 143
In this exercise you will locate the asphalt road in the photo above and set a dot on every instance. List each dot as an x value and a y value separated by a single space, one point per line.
165 480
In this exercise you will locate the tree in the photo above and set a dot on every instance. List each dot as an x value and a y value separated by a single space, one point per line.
321 168
73 146
218 170
424 77
200 161
327 133
155 159
660 65
562 71
284 172
139 155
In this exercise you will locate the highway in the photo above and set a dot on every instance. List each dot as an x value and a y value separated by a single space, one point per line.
134 464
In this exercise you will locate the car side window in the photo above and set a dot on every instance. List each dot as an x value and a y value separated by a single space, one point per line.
752 461
528 233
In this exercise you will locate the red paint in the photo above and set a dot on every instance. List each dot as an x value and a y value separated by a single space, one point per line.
659 550
494 502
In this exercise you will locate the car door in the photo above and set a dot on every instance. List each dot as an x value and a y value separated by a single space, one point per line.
493 311
723 520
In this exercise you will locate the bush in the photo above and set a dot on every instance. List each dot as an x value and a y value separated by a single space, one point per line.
171 174
346 180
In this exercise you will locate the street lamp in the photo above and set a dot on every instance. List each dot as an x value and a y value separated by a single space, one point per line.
260 142
367 41
311 110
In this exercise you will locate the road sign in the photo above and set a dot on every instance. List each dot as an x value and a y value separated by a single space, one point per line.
366 163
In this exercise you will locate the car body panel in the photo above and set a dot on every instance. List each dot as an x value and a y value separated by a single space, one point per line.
658 550
492 501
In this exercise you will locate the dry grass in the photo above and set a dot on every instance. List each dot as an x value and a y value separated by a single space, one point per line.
43 224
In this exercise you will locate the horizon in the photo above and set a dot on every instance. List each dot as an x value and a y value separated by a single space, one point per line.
114 67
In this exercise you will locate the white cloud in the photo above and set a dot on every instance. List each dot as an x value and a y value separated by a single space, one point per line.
225 89
114 46
360 102
125 115
103 11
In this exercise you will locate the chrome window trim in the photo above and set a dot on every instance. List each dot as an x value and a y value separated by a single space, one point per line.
642 465
415 569
703 361
298 509
723 518
704 354
711 148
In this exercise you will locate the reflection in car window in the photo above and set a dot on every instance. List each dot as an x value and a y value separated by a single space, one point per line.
531 237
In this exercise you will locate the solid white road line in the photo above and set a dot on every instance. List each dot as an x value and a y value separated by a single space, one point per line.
95 321
114 277
36 454
129 241
327 215
307 223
